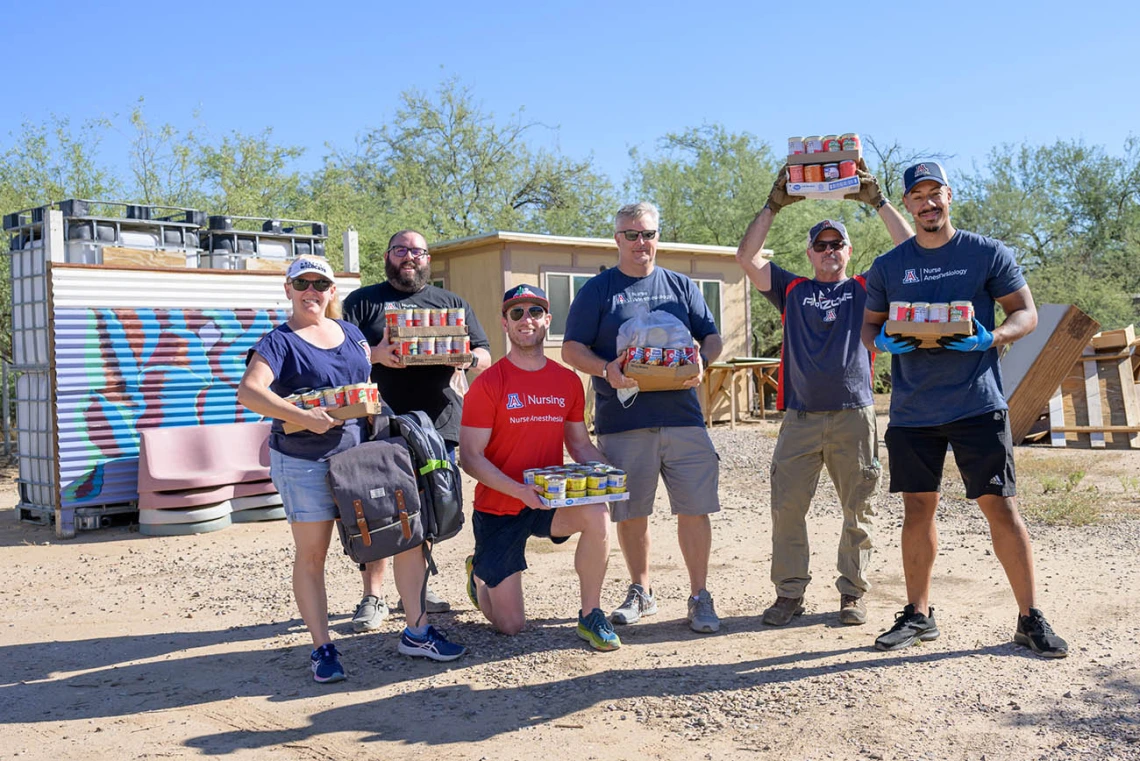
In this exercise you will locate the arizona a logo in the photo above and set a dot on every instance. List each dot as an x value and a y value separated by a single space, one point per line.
910 277
830 316
513 402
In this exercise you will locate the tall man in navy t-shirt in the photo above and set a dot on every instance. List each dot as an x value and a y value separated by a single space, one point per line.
661 433
952 396
825 390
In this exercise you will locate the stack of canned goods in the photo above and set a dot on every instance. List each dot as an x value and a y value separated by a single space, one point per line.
825 170
415 317
922 311
655 355
341 396
427 345
577 480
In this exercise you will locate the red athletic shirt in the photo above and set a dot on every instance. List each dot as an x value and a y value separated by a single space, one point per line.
527 413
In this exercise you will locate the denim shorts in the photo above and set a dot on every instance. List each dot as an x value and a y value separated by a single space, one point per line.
304 488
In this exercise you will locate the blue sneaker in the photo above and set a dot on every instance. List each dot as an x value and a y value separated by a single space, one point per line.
434 645
598 631
326 665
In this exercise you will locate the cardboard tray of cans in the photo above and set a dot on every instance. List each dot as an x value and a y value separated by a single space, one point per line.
660 377
571 501
929 332
459 360
347 412
424 331
828 190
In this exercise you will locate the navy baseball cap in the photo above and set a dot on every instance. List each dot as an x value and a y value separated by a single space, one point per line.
927 170
828 224
525 294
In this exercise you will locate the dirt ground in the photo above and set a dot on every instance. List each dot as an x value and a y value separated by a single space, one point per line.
121 646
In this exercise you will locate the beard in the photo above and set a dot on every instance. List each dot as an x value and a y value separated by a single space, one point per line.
412 282
532 343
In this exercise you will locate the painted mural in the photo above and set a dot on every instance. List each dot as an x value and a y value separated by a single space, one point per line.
122 370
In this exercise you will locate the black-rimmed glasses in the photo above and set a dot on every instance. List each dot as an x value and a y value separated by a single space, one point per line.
402 252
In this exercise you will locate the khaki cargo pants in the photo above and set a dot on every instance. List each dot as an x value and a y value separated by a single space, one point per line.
846 441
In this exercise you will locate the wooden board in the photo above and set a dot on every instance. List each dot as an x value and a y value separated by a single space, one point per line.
266 265
348 412
829 157
1114 339
455 360
1067 331
135 257
395 331
1098 407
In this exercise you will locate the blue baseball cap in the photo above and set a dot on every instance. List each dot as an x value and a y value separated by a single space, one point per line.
525 294
926 170
828 224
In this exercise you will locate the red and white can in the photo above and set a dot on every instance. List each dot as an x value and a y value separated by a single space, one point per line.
831 144
795 173
920 311
830 172
961 311
421 318
464 344
850 141
456 316
427 345
373 393
635 355
899 311
939 312
406 318
654 355
410 347
671 357
813 172
813 144
847 169
689 355
356 393
795 146
392 317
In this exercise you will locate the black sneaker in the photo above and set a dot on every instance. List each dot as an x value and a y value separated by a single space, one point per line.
910 627
1034 632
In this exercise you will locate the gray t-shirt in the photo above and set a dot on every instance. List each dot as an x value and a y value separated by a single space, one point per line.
823 363
936 386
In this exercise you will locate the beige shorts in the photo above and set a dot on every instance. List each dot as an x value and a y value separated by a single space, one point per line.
683 457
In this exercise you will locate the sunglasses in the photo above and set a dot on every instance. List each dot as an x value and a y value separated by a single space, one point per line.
535 311
825 245
634 234
300 284
402 252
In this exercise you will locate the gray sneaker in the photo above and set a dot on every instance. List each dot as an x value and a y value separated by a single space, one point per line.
702 616
369 613
637 603
435 603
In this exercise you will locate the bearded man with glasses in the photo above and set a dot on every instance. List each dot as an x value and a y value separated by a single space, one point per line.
662 433
825 392
407 265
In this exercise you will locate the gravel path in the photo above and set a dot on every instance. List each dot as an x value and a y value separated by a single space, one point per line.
121 646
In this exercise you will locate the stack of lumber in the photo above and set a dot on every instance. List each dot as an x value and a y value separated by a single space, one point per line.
1097 404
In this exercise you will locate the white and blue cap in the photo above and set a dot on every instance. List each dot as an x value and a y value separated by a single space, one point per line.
926 170
317 266
828 224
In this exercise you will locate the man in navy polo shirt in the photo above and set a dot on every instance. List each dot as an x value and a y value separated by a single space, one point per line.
825 390
952 396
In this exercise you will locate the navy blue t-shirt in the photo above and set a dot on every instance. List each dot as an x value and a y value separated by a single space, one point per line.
936 386
298 365
824 365
605 302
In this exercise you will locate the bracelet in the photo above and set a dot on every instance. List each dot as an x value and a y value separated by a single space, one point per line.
606 372
882 203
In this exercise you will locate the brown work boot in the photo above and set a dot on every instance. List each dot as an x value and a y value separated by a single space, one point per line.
783 611
852 610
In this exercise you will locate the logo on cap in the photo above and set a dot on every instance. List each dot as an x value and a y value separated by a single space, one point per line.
522 290
921 169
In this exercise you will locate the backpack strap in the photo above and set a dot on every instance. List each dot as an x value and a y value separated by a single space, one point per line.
783 342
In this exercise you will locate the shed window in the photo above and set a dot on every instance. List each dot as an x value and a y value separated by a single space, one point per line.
711 289
561 288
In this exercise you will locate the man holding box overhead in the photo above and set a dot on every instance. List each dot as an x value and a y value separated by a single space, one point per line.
952 396
661 433
517 416
825 390
407 266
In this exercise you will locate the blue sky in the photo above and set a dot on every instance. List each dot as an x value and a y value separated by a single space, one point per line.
953 78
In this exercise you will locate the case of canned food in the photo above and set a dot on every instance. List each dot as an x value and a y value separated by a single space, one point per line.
824 166
430 336
578 484
930 321
660 369
341 403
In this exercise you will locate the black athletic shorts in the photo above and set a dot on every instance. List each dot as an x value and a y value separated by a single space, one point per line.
983 450
500 541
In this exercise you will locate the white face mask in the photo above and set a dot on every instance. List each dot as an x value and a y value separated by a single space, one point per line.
626 394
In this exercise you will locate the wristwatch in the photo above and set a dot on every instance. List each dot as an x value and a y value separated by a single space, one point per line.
882 203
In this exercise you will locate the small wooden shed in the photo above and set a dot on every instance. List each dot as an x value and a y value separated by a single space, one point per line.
482 267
